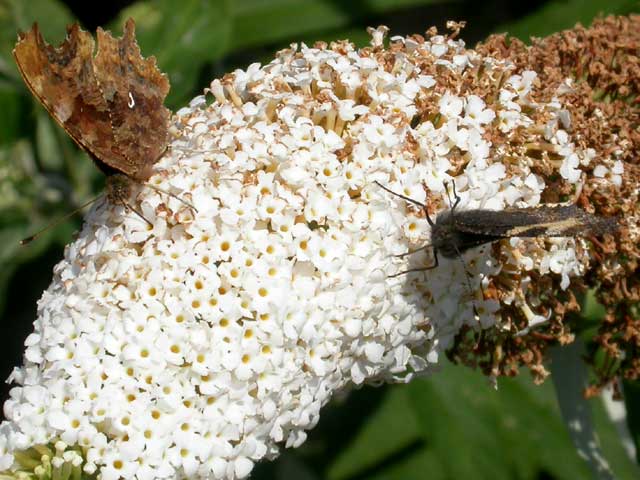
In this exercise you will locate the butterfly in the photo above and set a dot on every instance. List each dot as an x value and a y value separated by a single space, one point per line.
455 231
111 103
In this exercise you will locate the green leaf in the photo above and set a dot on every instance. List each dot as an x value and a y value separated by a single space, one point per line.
290 466
17 169
390 429
631 391
15 109
47 145
257 22
182 37
413 468
462 426
570 379
592 311
29 200
12 112
557 15
13 254
454 425
610 419
588 321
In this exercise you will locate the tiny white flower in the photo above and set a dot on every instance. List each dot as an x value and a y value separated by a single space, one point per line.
380 134
476 113
451 106
348 110
600 171
569 169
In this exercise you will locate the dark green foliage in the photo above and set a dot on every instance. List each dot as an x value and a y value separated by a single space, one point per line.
450 426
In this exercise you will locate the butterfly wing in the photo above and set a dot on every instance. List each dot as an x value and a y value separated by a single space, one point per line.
134 90
64 81
541 221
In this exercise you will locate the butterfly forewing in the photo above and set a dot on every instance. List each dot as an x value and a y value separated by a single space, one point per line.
542 221
134 90
64 81
110 104
456 231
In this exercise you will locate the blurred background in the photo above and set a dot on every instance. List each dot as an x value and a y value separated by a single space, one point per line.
451 426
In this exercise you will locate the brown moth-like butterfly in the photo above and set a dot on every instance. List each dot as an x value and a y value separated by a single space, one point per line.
110 103
454 231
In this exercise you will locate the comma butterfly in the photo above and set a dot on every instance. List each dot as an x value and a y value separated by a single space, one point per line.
111 104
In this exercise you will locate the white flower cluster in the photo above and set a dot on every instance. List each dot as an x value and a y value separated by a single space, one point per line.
195 347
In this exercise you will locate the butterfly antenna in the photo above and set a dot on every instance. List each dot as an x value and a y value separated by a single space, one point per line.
429 221
410 200
456 197
131 209
31 238
166 192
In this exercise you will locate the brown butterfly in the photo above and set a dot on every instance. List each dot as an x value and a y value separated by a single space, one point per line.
455 231
111 104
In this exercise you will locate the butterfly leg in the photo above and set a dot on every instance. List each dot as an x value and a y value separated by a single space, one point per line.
467 277
411 252
131 209
422 269
168 193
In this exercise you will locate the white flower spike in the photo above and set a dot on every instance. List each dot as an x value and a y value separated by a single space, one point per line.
200 346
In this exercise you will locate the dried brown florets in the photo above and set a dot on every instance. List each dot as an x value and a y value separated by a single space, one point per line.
603 65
